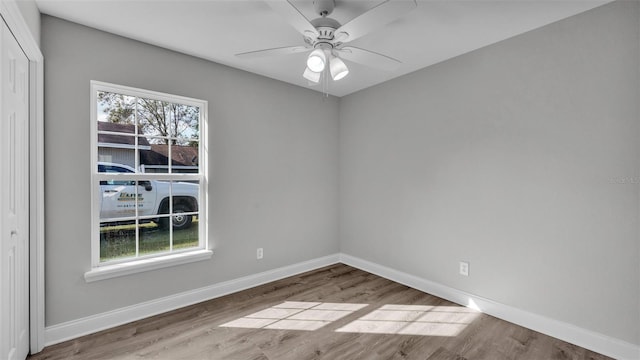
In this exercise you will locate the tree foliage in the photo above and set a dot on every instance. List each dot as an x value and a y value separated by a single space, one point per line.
161 122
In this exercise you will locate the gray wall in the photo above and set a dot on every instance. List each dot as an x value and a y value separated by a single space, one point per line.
273 168
523 158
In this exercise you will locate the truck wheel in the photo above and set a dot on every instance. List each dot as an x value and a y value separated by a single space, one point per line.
181 221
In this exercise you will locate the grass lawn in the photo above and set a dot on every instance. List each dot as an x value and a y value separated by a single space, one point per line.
120 241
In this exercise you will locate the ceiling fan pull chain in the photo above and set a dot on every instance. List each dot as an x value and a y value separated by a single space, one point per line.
325 86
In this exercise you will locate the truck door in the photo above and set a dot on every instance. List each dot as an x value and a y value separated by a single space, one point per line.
118 199
147 192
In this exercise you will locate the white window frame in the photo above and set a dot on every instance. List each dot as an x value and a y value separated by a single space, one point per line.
104 270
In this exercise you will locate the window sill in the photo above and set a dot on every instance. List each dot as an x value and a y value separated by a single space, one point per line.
133 267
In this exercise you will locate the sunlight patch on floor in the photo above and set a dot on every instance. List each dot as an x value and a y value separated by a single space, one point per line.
414 320
422 320
296 315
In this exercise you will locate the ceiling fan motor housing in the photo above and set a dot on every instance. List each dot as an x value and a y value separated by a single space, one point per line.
326 27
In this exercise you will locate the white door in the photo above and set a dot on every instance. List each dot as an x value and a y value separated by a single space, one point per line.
14 198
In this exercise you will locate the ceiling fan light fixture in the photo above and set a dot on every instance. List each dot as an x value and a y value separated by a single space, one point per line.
312 76
338 68
316 60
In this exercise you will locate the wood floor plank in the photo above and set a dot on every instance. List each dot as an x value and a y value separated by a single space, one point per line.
392 321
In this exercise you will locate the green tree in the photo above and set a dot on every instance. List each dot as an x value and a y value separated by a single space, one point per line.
120 108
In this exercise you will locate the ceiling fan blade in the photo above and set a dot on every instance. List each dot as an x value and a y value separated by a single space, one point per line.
380 15
369 58
287 50
294 17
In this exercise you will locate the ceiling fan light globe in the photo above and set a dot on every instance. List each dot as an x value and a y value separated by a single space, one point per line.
338 69
312 76
315 64
316 60
341 75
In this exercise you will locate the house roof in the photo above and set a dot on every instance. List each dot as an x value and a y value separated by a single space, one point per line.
180 155
120 139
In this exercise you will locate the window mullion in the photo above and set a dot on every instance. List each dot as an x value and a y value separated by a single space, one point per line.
147 176
137 234
170 216
137 145
137 168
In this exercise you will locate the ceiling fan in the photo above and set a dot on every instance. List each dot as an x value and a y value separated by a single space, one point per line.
325 37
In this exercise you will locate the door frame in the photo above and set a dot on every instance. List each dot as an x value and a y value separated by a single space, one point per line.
13 17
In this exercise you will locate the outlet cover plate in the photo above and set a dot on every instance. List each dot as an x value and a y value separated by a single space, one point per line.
464 268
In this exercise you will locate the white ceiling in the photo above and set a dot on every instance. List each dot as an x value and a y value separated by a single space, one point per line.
218 29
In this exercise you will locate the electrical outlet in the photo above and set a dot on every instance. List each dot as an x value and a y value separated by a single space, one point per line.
259 253
464 268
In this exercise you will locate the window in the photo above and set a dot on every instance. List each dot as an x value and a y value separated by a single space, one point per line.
148 171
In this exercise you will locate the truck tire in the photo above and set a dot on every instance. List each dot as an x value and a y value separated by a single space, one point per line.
179 221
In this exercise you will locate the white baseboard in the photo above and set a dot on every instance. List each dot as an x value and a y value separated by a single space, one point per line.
587 339
91 324
600 343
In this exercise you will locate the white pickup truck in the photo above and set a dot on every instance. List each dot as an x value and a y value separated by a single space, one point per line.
118 198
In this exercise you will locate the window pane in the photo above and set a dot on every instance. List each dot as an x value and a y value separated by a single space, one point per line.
185 197
154 236
154 117
185 159
185 121
186 238
148 195
117 241
156 158
118 200
114 168
116 108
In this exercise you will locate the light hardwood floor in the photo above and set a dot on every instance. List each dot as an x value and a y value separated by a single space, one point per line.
346 313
